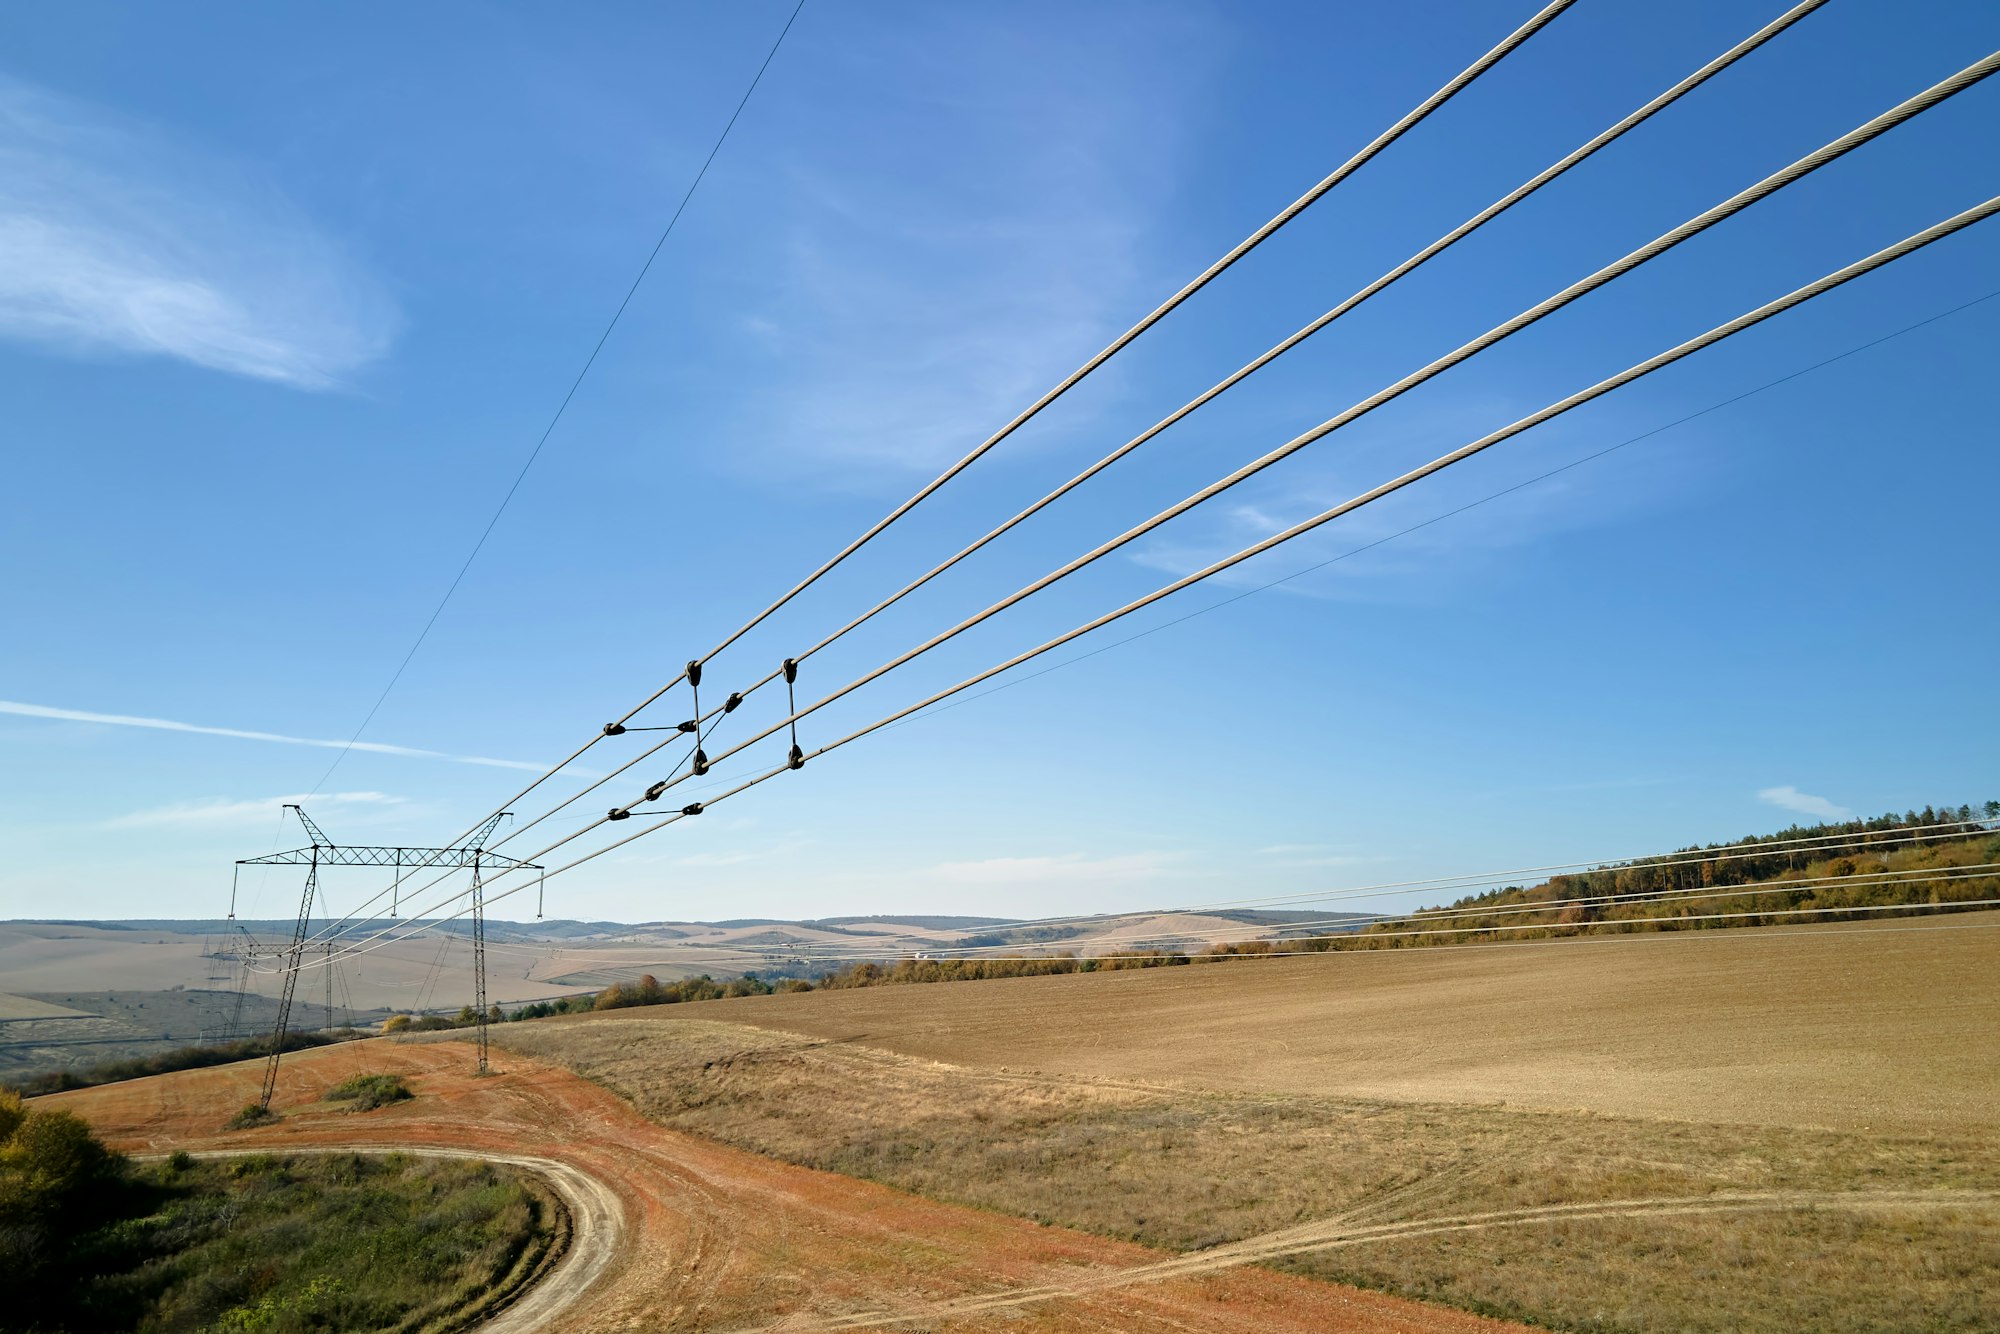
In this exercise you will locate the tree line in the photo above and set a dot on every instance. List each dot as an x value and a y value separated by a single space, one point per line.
1851 864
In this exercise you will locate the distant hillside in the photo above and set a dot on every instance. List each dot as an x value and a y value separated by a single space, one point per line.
1291 925
500 929
1841 870
274 926
927 923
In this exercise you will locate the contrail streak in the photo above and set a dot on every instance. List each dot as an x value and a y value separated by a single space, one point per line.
169 725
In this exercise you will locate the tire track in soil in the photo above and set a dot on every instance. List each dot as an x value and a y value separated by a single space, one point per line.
1340 1231
708 1237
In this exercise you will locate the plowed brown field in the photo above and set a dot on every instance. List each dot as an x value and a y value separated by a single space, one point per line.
1864 1026
713 1238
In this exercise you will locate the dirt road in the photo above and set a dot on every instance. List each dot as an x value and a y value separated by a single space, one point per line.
691 1235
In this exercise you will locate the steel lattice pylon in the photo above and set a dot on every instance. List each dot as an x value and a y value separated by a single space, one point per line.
324 852
479 956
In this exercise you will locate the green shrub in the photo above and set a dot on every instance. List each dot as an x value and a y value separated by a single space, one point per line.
367 1092
333 1243
252 1115
649 990
57 1183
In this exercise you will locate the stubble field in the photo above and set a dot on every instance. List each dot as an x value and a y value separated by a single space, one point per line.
1777 1130
1891 1025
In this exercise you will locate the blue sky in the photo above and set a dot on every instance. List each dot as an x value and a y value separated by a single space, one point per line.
286 296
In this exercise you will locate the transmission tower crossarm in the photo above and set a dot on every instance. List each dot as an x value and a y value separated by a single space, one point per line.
319 839
485 831
324 852
359 854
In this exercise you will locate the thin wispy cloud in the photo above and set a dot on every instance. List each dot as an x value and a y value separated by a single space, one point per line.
764 853
224 811
1310 855
1440 528
914 309
1068 868
115 240
170 725
700 860
1804 803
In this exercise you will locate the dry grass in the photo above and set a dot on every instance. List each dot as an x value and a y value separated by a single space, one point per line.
1864 1027
22 1008
1190 1167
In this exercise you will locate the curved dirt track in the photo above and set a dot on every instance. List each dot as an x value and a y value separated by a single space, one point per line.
714 1238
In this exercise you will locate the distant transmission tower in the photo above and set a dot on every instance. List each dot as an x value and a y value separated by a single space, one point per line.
327 968
324 852
479 954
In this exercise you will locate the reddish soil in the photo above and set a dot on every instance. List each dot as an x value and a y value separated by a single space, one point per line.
718 1239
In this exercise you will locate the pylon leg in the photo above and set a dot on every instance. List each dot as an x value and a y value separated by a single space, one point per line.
479 957
291 984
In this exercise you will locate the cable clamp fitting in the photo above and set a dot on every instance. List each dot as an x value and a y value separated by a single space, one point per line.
700 761
691 725
618 813
614 729
654 792
735 698
694 672
692 808
795 760
791 670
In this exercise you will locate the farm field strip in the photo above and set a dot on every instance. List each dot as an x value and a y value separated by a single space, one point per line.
1836 1026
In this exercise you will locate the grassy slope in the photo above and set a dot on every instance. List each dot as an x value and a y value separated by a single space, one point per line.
1041 1113
335 1242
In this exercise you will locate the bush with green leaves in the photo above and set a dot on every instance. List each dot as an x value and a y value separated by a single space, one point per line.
367 1092
90 1241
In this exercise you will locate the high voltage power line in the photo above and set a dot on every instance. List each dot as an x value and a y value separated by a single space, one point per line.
1429 252
1850 272
1736 203
1486 499
1644 926
1137 936
1409 121
1866 842
1346 169
1880 258
1771 184
696 763
563 406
